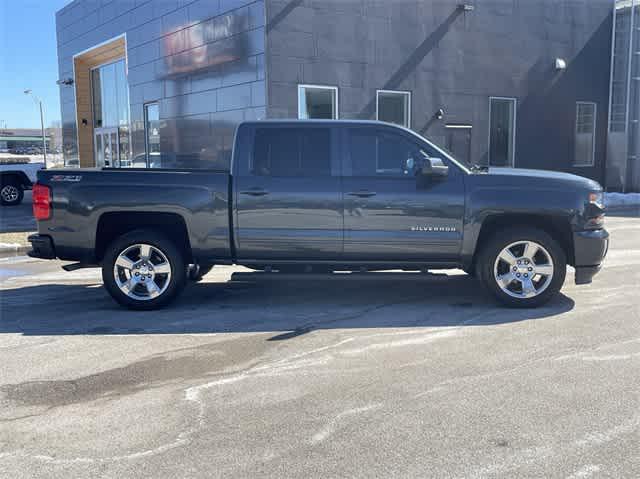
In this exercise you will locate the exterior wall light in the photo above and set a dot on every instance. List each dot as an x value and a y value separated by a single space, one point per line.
561 64
466 7
65 81
439 114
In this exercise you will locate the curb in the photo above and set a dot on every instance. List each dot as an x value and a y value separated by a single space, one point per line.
13 248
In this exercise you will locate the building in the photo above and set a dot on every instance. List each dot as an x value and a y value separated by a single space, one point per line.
623 140
499 82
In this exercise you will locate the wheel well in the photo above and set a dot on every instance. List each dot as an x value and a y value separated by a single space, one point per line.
16 178
113 225
556 227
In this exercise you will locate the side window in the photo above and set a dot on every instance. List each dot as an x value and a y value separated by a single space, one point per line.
291 152
379 153
316 152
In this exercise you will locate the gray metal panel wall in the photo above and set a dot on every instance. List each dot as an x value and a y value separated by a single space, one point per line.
202 60
452 59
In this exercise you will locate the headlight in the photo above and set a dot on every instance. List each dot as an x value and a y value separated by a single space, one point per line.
595 211
597 199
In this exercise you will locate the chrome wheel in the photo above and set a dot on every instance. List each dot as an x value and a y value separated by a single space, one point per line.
523 269
9 193
142 272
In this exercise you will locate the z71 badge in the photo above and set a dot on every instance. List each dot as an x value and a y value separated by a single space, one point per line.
434 229
66 177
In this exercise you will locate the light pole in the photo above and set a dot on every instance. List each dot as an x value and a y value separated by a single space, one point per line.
44 141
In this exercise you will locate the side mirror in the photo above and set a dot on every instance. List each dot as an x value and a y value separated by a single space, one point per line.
434 167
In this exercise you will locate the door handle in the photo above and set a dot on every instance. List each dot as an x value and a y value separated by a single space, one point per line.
255 192
362 193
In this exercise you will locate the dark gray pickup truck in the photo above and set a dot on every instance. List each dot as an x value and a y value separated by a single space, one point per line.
321 196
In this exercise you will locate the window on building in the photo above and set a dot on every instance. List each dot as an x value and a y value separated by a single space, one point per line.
502 131
585 139
394 107
152 134
317 102
379 153
291 152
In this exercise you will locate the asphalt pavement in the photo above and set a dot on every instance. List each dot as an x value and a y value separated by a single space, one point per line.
18 218
407 376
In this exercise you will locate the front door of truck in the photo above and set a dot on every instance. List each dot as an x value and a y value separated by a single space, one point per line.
390 214
287 193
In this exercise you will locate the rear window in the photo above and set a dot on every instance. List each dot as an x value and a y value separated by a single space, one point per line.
290 152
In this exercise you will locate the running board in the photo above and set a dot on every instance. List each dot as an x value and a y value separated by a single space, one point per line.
372 276
76 266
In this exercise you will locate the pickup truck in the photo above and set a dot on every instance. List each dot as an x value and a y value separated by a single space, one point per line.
15 178
322 196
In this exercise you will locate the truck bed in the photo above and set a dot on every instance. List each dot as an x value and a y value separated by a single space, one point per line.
85 200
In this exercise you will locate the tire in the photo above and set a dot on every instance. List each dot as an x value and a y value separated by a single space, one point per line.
11 192
151 283
543 271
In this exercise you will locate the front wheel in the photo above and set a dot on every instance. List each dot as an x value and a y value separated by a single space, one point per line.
143 270
522 267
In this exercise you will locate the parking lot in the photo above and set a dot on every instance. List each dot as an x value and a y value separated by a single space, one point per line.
407 376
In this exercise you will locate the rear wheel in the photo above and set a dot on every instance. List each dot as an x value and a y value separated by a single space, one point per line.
11 192
143 270
522 267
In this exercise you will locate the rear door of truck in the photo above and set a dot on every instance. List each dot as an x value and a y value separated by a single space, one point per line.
287 192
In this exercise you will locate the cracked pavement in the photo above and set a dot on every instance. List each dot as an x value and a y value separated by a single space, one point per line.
402 377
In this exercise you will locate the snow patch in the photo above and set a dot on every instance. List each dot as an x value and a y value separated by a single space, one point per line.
622 199
585 471
335 423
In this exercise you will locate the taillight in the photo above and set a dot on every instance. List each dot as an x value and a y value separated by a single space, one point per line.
41 199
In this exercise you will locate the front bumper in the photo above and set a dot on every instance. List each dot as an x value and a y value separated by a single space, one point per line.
590 249
41 247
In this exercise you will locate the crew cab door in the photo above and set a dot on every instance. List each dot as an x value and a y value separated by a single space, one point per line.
288 198
392 212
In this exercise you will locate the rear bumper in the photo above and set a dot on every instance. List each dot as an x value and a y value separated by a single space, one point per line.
590 249
41 247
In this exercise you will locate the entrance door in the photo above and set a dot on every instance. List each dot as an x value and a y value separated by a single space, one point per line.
107 147
390 214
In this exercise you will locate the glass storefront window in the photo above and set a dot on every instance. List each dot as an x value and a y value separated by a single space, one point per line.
502 131
110 93
152 134
122 94
96 91
317 102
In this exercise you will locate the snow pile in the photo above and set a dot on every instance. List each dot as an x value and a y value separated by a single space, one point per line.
621 199
9 247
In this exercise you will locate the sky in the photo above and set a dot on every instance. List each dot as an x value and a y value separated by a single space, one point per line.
28 59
